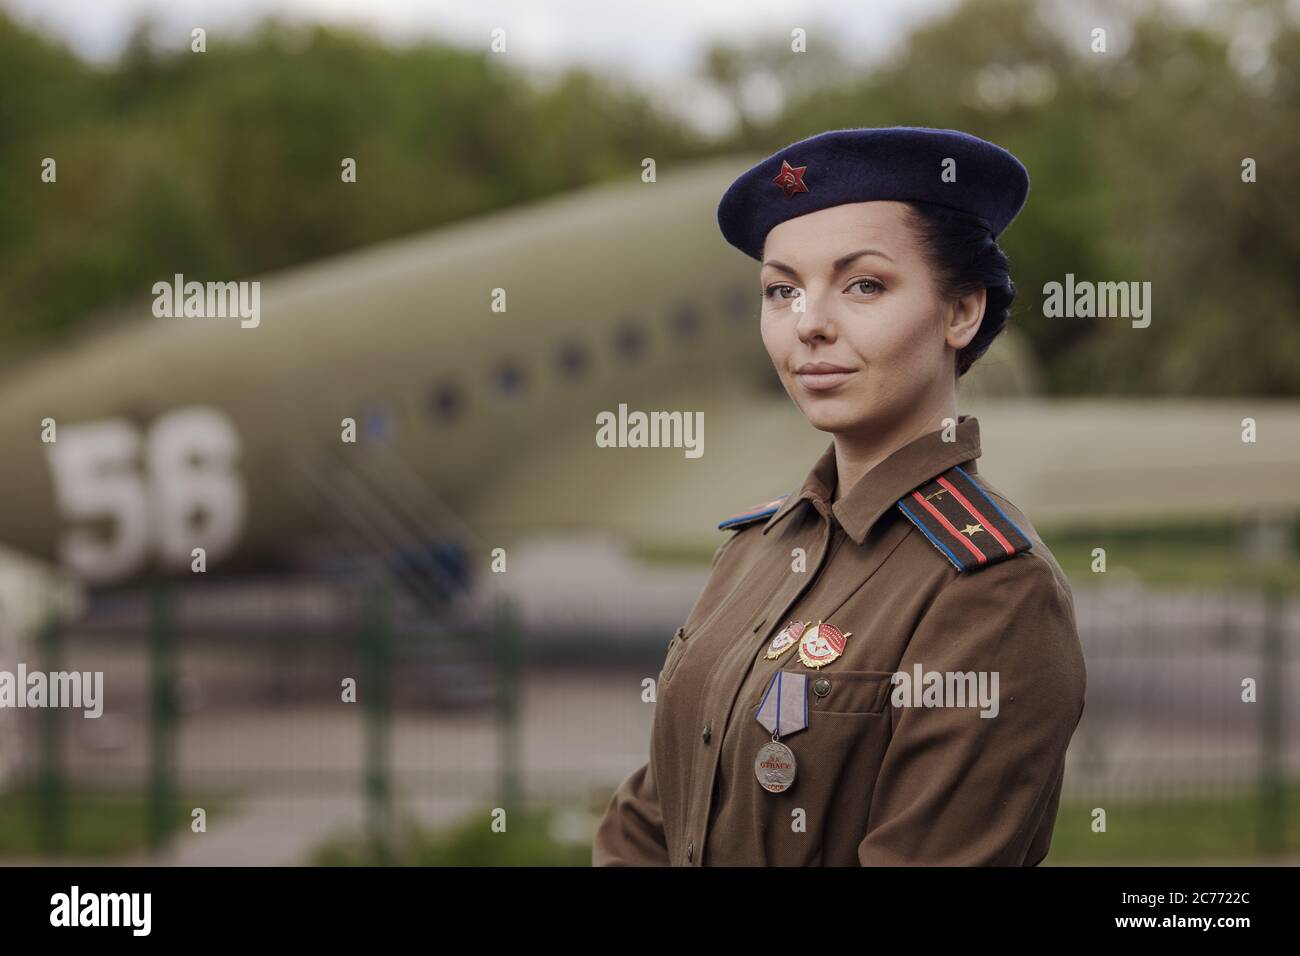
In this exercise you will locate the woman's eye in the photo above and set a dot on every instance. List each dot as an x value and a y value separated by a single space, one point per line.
875 286
768 291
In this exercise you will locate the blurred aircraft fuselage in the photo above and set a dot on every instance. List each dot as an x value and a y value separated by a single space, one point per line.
477 363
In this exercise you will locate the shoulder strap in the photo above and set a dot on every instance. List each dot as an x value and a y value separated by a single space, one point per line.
963 522
750 515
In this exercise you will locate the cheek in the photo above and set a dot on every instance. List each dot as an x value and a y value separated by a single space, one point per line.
900 337
777 339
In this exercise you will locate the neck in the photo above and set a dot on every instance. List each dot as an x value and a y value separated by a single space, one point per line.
856 453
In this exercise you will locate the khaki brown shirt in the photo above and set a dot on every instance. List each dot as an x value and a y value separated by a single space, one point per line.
877 784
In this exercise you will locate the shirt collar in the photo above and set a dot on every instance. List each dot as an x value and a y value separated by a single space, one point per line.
879 489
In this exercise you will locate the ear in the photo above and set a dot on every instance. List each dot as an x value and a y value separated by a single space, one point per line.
964 317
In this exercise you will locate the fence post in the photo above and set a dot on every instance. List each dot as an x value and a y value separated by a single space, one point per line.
376 661
507 645
1271 798
162 725
51 786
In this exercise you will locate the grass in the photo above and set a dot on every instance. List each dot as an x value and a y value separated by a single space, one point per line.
1219 829
1201 556
99 823
1154 565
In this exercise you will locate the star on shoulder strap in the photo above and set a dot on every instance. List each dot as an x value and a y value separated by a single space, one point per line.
962 521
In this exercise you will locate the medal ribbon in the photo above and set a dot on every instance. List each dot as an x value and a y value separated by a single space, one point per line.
784 709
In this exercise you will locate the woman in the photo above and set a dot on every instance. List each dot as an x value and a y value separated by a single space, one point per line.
883 667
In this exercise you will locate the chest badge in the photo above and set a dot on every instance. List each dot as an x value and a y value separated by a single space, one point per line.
822 644
786 639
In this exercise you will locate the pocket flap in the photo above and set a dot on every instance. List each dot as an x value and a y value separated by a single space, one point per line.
849 692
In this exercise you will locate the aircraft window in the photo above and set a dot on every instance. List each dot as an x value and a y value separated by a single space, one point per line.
509 378
377 424
630 341
446 402
685 322
572 360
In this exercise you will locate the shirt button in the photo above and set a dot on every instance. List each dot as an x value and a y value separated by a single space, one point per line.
708 733
690 851
821 687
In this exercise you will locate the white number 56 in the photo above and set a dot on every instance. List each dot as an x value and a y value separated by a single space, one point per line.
189 495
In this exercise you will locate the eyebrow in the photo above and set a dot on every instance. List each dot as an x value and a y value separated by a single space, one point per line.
837 266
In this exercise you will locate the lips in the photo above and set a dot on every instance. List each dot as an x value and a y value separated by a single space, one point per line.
821 376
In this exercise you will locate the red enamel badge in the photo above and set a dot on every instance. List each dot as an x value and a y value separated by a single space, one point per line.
790 179
822 644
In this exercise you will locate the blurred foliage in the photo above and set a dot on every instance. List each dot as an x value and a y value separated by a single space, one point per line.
227 164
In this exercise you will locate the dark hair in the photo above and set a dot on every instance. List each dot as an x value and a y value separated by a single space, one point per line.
961 249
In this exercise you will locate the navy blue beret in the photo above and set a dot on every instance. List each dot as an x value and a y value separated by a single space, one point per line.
860 165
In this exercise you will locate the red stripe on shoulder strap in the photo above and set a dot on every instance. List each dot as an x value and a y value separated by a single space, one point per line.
941 505
974 513
947 526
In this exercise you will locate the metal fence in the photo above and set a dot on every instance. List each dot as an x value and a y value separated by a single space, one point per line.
1188 699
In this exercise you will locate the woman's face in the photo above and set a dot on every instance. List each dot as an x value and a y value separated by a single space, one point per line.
870 342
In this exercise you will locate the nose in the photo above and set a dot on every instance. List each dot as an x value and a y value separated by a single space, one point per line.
815 323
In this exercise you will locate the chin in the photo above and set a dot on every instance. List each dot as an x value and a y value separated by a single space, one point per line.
835 420
841 415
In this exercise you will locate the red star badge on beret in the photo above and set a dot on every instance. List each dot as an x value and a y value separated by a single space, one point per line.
790 179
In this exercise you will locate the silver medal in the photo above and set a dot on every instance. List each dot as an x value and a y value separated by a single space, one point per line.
783 711
774 766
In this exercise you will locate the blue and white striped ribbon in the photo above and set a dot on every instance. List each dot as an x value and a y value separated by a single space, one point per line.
784 709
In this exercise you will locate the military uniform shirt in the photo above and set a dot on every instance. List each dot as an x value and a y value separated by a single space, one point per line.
876 784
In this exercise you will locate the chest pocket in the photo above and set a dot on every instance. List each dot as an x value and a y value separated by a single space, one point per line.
835 692
676 647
